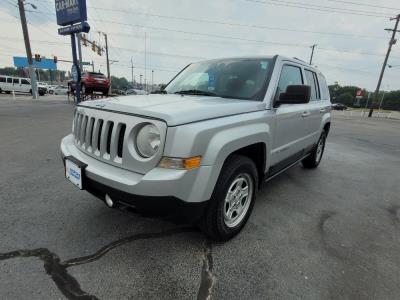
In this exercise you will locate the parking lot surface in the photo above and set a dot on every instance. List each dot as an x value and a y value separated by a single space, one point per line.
333 232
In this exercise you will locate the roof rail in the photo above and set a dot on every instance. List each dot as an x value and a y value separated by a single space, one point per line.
299 59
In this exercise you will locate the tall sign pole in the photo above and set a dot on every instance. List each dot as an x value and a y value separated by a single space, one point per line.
32 73
75 71
73 15
391 43
79 38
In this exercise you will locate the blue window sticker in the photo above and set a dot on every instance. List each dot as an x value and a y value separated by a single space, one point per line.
264 65
211 82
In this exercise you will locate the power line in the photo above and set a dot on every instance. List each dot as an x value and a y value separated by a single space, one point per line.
206 21
228 23
364 4
238 38
308 6
301 5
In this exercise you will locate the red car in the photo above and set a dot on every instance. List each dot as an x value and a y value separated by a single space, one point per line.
92 82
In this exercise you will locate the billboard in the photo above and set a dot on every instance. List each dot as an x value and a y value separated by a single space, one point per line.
70 11
22 62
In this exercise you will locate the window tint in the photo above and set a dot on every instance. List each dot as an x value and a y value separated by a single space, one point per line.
96 75
24 81
290 75
311 81
9 80
2 79
16 81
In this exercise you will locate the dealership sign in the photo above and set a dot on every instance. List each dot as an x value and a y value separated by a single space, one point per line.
81 27
70 11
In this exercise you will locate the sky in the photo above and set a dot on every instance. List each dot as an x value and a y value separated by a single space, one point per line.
166 35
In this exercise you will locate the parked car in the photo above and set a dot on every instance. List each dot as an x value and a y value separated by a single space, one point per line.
43 86
339 106
203 147
60 90
51 89
92 82
9 84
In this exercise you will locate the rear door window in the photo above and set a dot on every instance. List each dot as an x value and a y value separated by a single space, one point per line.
9 80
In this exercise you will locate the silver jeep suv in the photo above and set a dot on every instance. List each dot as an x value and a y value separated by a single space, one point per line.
205 144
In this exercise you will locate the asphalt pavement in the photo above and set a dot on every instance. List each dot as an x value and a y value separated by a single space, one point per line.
329 233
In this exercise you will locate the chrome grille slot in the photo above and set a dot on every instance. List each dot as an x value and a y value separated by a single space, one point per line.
89 134
109 133
121 136
78 127
99 131
82 132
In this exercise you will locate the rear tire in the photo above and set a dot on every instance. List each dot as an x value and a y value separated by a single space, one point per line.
229 207
313 160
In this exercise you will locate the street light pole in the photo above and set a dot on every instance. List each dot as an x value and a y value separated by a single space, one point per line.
25 32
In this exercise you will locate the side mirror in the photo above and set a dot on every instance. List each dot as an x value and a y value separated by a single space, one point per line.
295 94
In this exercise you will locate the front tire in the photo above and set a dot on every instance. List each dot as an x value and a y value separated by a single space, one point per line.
232 200
313 160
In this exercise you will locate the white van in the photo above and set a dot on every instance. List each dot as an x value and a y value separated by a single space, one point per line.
16 84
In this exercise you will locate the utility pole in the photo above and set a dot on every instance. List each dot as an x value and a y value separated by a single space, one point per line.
312 52
152 80
108 60
145 61
79 38
141 81
92 66
133 80
28 49
391 43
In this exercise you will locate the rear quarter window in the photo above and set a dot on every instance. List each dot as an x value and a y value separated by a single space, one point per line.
2 79
324 87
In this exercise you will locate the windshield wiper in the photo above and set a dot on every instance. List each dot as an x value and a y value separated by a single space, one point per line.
159 92
195 92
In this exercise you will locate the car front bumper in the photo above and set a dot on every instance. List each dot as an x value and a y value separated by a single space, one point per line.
186 186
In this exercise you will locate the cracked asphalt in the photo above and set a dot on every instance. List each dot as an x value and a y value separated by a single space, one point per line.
328 233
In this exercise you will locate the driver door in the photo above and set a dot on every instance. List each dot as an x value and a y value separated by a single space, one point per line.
289 139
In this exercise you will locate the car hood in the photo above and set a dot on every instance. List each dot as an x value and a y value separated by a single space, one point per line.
176 109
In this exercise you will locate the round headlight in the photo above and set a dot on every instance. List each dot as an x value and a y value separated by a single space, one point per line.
148 140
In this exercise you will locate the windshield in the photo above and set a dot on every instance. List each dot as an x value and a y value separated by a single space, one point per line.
97 75
228 78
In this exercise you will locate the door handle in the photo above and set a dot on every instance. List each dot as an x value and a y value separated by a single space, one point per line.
305 114
322 110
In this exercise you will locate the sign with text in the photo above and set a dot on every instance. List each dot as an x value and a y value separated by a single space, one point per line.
70 11
81 27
